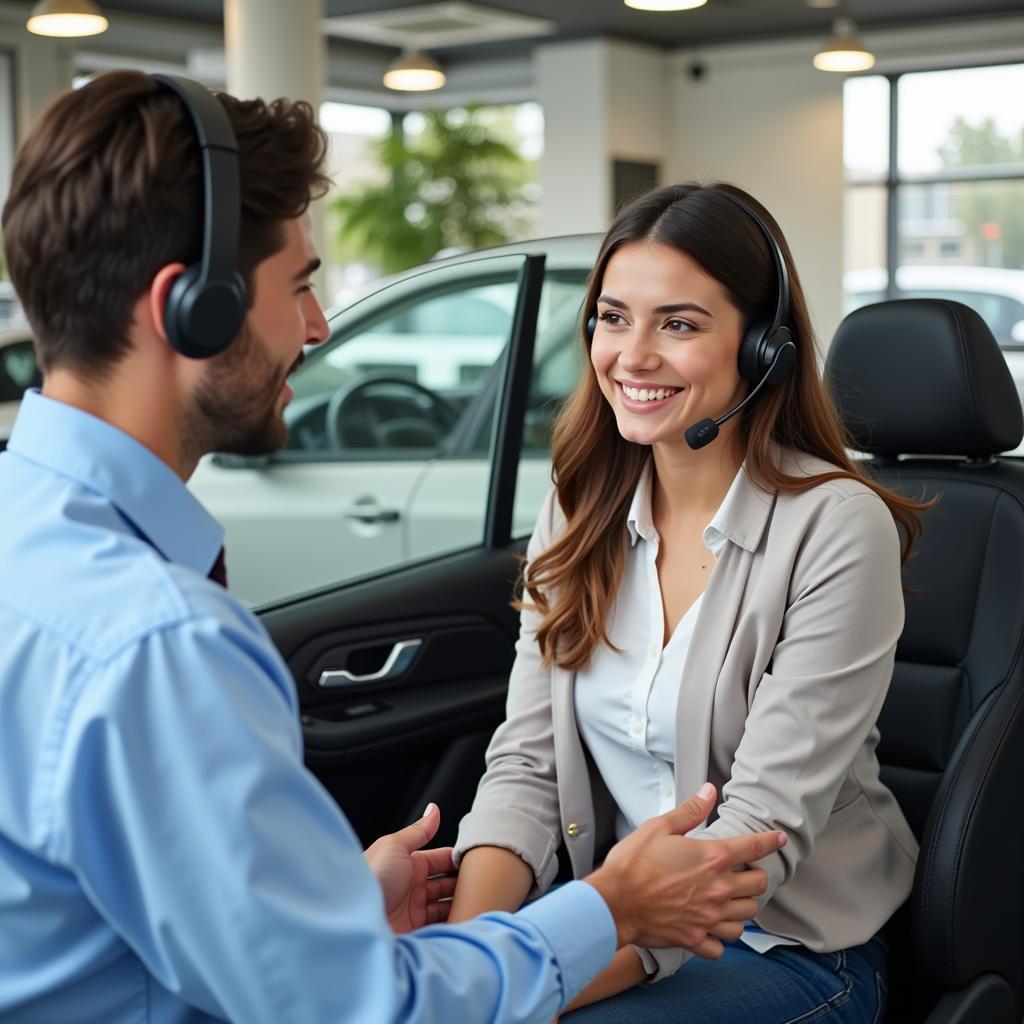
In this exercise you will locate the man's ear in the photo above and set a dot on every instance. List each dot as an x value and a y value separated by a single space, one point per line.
156 296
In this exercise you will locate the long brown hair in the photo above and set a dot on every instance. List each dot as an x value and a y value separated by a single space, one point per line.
574 582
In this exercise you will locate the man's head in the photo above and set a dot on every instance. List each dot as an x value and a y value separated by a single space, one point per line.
106 208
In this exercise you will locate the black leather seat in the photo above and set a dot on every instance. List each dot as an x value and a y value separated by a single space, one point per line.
923 387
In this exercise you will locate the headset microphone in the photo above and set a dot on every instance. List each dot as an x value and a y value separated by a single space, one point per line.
704 432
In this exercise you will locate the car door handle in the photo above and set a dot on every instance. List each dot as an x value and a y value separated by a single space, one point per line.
396 663
371 514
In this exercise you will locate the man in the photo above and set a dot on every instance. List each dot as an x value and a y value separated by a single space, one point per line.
164 854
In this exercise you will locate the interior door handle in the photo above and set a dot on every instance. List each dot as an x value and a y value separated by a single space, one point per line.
397 662
371 514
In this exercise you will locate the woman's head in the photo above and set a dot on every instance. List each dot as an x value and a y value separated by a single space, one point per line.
684 273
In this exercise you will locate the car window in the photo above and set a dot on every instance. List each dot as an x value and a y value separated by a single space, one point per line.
404 377
408 376
18 370
449 500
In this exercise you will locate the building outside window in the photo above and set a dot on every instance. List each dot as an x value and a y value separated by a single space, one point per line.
934 206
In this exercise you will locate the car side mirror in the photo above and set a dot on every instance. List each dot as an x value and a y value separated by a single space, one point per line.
1017 333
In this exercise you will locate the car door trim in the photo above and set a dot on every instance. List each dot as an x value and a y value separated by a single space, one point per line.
512 405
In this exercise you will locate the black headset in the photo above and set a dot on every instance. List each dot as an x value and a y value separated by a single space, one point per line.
767 351
207 302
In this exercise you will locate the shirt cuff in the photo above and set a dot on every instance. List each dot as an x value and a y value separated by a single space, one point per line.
580 930
647 959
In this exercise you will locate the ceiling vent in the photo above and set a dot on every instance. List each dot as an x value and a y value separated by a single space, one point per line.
436 26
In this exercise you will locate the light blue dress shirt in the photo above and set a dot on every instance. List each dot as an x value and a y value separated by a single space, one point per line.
164 854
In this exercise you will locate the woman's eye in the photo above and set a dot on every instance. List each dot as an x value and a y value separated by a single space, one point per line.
611 317
678 326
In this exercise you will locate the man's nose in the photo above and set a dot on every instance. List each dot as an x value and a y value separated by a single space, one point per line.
318 329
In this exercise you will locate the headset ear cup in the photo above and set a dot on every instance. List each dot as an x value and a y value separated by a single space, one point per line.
175 316
202 318
750 351
590 327
778 355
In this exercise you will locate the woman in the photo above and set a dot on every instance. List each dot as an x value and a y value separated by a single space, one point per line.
725 611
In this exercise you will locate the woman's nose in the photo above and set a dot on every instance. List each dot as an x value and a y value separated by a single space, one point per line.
638 352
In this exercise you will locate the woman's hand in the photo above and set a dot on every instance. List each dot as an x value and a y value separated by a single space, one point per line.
413 896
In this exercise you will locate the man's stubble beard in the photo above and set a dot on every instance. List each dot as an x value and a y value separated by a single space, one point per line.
235 406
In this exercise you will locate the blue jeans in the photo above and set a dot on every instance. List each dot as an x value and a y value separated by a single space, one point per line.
786 985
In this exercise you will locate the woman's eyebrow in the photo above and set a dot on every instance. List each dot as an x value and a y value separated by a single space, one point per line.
675 307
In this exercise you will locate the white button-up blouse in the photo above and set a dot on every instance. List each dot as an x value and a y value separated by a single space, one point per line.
625 700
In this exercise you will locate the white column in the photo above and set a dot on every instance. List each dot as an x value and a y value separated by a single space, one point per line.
602 101
275 48
43 71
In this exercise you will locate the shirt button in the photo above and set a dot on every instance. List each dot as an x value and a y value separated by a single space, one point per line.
572 829
667 791
655 650
637 728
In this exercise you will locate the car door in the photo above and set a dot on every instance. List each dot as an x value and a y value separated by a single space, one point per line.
372 406
402 677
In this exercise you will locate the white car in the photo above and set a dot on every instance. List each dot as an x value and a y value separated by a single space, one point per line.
389 455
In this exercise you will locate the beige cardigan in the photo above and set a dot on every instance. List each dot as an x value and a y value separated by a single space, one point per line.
789 665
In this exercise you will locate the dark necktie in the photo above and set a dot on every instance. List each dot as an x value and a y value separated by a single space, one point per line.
219 572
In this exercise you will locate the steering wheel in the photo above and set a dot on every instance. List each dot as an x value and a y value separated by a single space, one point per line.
355 421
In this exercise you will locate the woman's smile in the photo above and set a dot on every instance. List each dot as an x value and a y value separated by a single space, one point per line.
646 397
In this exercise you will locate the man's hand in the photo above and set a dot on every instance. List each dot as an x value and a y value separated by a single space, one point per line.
405 871
666 890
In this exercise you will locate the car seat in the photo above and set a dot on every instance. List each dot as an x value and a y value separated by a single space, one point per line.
924 390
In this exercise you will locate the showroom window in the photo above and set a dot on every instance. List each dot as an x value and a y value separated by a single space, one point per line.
934 165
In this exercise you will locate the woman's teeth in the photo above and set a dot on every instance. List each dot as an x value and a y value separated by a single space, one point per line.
648 394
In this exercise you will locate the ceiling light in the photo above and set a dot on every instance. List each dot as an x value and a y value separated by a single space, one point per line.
66 18
414 71
665 5
844 50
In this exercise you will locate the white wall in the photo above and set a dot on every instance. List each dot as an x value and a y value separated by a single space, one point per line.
765 120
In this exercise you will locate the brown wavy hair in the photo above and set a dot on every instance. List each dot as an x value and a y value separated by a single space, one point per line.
107 189
574 582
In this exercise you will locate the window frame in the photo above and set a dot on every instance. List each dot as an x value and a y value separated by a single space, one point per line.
893 181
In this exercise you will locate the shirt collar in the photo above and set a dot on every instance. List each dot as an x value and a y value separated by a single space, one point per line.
741 517
107 461
639 520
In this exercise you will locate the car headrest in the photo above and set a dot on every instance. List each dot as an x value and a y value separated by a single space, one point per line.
923 377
